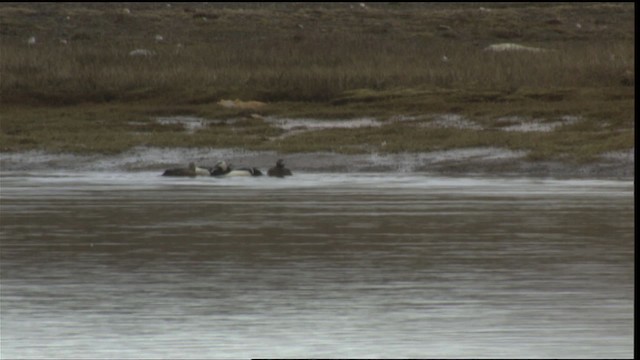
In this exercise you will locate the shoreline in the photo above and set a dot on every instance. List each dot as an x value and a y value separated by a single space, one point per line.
395 87
482 161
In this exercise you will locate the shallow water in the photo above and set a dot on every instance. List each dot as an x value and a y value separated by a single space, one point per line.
135 265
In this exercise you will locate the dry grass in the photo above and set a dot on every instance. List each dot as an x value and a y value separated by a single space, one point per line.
299 53
54 74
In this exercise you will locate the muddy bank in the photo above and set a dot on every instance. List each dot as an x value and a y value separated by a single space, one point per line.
459 162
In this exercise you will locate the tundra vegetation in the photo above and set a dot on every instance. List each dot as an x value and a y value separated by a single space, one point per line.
95 77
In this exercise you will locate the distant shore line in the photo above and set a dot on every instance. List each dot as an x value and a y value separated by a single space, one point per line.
455 162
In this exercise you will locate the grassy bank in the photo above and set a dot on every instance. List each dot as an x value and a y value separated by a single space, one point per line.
74 86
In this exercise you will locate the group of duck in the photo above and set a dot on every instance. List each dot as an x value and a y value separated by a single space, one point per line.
222 169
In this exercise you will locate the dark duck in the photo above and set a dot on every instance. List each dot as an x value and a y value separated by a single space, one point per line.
279 170
191 170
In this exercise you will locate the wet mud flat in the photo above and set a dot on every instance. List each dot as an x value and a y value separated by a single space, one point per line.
458 162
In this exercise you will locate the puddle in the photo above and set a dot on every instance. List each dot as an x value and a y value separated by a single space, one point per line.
289 124
293 126
513 47
302 125
452 121
521 124
190 123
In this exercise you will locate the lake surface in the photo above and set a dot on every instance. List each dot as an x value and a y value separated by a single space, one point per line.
135 265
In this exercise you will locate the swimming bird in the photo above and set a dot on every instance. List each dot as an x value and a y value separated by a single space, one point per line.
220 169
245 172
191 170
279 170
224 169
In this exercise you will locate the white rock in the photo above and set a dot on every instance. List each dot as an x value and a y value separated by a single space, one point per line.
141 52
512 47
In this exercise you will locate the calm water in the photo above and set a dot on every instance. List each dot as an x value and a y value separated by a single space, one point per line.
130 265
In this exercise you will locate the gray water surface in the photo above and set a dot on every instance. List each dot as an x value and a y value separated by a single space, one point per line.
134 265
